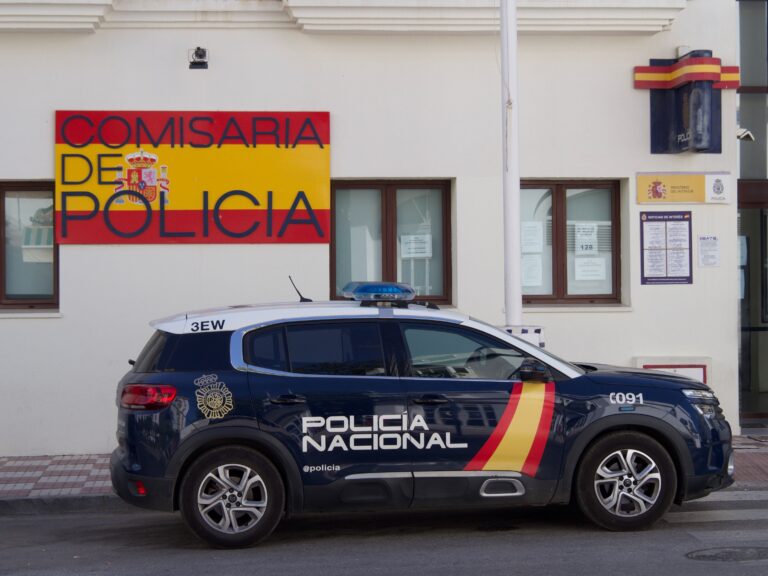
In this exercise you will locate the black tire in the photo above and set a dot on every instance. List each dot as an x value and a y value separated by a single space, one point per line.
232 497
625 481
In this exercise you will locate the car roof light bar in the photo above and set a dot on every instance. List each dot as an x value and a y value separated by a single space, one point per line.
378 292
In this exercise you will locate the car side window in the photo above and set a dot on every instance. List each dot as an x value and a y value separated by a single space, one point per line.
336 348
451 352
265 348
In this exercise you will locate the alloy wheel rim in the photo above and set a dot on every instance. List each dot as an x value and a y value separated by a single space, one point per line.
232 498
627 483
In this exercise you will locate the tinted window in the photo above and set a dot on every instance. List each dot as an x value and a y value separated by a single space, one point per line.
344 348
155 354
448 352
200 352
167 352
266 349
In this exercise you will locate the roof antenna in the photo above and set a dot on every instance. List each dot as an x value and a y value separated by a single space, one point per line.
301 298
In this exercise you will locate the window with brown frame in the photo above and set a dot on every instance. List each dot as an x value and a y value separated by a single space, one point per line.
28 252
570 241
392 231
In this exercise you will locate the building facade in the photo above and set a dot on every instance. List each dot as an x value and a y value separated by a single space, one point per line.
405 180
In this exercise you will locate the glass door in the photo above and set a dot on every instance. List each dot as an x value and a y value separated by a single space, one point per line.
753 295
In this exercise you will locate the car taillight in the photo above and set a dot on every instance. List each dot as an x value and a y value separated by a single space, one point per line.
147 397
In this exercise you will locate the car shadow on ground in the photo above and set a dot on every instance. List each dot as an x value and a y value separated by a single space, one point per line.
379 523
167 531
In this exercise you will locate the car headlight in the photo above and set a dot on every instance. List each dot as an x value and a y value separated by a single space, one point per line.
699 394
705 402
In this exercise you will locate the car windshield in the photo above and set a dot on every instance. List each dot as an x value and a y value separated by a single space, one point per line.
539 351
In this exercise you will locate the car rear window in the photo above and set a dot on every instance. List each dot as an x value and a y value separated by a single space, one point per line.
155 353
165 352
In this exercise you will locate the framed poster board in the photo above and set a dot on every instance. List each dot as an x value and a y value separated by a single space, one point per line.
665 243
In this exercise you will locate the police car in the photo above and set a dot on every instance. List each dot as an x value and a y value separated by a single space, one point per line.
239 416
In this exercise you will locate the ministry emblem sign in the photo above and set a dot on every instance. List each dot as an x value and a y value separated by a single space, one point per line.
684 188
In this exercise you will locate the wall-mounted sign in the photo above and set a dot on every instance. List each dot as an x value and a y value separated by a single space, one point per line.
685 101
709 251
677 188
192 177
665 238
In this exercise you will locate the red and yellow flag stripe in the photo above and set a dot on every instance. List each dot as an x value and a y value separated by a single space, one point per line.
687 70
518 441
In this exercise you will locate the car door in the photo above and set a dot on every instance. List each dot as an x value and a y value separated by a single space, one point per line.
488 429
326 390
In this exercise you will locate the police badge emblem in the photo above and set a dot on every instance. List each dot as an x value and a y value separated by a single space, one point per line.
213 397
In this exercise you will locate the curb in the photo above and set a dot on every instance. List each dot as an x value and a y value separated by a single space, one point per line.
109 503
63 504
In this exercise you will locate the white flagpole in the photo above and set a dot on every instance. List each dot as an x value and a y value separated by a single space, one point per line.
513 293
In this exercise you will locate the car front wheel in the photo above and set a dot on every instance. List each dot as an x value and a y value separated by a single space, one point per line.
626 481
232 497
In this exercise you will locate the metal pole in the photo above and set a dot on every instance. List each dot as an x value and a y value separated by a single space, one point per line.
513 292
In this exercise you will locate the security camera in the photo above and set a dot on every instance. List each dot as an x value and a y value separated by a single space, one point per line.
744 134
198 58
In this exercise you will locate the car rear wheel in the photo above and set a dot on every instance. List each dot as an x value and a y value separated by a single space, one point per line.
626 481
232 497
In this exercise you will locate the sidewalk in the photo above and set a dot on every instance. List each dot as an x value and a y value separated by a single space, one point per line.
751 460
54 480
60 476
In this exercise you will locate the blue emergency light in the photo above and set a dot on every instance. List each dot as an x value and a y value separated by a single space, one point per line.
378 291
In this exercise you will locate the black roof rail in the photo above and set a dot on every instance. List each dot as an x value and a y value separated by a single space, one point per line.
397 304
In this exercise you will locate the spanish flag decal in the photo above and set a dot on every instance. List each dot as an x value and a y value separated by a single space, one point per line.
518 441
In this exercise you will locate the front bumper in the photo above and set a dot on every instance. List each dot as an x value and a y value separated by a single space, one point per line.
143 491
700 486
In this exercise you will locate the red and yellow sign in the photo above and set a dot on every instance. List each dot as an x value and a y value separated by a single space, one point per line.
192 177
687 70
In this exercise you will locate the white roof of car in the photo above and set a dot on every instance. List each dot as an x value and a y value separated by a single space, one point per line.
237 317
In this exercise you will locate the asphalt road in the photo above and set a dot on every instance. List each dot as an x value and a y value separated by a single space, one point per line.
550 541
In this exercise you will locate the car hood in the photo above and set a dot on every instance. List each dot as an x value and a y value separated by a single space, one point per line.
604 372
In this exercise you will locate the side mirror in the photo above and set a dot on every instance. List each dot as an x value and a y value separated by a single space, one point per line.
533 370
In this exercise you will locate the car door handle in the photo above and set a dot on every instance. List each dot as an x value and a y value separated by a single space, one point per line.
431 399
289 399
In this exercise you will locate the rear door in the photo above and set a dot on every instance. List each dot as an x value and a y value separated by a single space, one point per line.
487 430
328 391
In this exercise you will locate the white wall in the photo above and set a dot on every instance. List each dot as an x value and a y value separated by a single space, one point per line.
605 132
401 107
